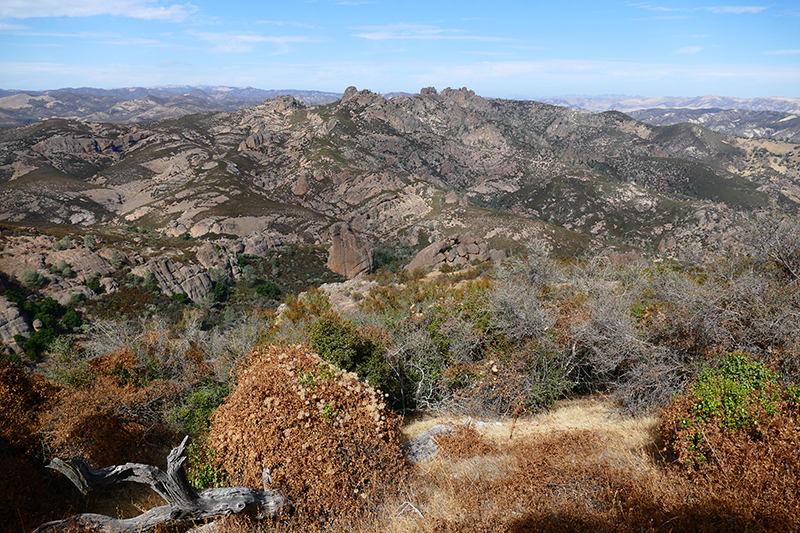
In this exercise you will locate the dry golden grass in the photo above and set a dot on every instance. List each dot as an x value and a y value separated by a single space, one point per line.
559 471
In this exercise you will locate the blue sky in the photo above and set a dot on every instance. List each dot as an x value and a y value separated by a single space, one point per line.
508 49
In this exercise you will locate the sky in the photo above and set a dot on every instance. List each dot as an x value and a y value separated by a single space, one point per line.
498 48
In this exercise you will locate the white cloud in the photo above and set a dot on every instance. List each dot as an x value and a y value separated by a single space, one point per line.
285 23
415 31
736 10
140 9
243 42
650 7
7 26
782 52
688 50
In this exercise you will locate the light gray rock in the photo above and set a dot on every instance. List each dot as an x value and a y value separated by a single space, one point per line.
172 277
455 250
84 263
260 243
423 447
12 322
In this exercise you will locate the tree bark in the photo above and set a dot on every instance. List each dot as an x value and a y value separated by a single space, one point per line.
185 503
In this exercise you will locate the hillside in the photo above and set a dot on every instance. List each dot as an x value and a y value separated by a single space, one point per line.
742 123
406 170
633 103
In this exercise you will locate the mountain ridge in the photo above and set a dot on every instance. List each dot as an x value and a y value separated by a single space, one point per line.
408 170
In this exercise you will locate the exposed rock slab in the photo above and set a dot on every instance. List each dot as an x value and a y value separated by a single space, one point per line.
12 322
174 278
423 447
350 255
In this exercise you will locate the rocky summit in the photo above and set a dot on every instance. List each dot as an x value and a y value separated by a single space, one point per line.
449 170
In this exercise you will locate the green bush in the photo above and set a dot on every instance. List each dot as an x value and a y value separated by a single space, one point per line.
339 342
181 298
33 279
64 244
269 290
735 396
194 416
201 467
94 284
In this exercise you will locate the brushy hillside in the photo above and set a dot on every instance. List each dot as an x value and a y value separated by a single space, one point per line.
696 365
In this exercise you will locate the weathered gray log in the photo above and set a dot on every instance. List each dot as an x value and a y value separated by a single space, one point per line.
185 503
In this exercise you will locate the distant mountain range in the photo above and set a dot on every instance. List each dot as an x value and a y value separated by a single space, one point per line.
137 104
742 123
634 103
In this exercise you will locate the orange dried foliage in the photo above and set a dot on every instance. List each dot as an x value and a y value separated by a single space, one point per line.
329 441
25 490
23 397
464 443
753 476
110 422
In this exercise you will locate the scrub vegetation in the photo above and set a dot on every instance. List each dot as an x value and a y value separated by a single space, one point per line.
657 397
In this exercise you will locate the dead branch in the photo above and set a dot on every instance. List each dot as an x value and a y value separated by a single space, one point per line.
185 503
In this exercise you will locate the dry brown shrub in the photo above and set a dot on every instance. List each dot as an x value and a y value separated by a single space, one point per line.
465 442
751 477
112 421
24 492
328 440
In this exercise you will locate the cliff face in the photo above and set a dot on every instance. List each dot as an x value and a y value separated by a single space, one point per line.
402 171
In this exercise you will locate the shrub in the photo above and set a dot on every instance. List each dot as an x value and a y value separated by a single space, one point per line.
734 433
737 396
331 446
338 342
777 240
94 284
63 244
194 416
181 298
33 279
108 422
269 290
115 261
27 492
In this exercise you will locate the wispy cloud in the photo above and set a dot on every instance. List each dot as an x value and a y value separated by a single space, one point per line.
651 7
285 23
9 27
416 31
736 10
139 9
782 52
688 50
244 42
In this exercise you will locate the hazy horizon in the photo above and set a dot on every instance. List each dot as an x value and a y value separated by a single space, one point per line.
506 49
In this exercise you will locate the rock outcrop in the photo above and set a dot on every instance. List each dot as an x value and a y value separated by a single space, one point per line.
350 255
12 322
423 447
458 249
175 278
